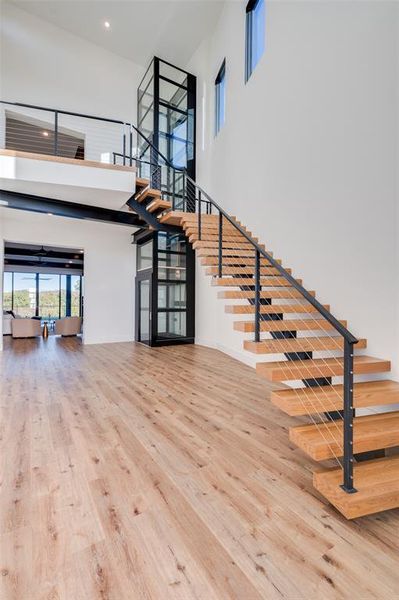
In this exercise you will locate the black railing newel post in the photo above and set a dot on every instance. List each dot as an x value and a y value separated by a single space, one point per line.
220 271
199 214
257 296
131 146
347 485
56 133
124 148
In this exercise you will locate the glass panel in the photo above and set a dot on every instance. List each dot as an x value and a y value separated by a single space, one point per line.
25 294
220 100
144 308
171 241
144 256
75 295
255 36
172 295
171 324
258 33
169 261
7 291
172 94
172 73
171 274
49 296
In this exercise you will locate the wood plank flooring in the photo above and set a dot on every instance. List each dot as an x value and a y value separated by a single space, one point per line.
134 473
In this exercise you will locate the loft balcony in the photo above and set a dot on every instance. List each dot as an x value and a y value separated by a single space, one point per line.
65 156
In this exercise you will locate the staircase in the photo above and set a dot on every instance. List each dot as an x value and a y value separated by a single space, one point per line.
286 321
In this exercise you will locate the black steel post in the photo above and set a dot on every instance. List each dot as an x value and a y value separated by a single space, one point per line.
174 190
347 485
130 147
124 148
257 296
199 215
220 243
56 133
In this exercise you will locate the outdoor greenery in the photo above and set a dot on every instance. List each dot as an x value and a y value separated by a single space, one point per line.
49 307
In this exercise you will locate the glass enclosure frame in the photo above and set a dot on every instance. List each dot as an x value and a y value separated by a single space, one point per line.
172 288
166 115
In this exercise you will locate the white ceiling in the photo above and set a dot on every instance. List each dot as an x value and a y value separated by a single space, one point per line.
140 29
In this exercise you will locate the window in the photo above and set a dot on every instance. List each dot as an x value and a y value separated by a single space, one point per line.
254 35
220 98
50 296
7 291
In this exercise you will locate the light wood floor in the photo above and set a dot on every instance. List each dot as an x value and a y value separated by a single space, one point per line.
134 473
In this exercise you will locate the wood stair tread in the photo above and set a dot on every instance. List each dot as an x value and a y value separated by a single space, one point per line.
158 204
303 344
214 251
264 281
148 193
325 440
270 309
319 367
242 244
172 217
283 294
304 401
286 325
243 271
234 260
376 482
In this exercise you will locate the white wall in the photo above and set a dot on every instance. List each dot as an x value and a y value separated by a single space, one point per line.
45 65
307 158
109 267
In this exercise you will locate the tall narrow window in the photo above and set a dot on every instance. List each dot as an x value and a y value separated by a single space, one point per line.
254 35
220 98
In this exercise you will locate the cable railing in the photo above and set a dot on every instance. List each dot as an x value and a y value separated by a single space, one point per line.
235 253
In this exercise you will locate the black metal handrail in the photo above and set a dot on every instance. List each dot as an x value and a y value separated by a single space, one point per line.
203 197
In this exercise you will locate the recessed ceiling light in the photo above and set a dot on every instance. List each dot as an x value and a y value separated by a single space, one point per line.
50 214
107 24
45 133
70 261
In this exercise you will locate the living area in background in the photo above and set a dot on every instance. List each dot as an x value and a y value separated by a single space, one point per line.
42 290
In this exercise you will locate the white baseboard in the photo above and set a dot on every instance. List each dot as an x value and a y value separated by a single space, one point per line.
242 356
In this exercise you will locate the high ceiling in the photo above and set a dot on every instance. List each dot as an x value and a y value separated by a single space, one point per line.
139 29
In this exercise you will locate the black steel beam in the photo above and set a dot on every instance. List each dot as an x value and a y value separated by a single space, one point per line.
73 210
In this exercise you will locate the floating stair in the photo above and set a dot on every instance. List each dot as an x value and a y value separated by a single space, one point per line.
272 294
271 309
239 281
304 401
376 481
286 325
371 432
304 344
321 367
